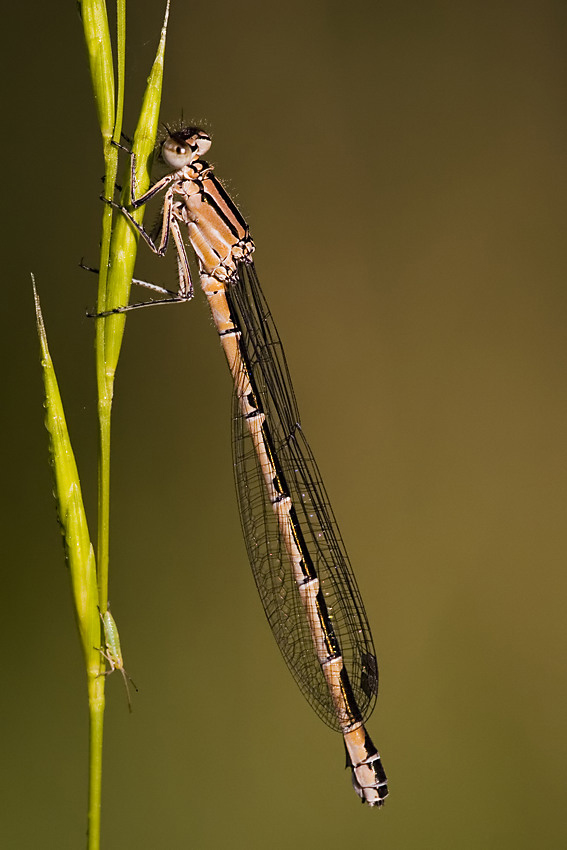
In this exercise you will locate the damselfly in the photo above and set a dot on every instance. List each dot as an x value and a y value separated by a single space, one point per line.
297 555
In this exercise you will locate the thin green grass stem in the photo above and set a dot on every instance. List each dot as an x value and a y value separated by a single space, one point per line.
116 269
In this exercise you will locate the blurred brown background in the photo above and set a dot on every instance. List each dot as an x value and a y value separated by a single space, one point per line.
402 167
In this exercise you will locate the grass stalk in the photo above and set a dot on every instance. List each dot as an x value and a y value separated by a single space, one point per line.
118 253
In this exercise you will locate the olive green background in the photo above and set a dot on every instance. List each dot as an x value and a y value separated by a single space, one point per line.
402 168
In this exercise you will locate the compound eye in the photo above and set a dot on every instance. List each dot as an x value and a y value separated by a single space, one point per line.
175 153
203 143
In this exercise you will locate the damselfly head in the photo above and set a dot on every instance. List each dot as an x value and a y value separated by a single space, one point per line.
184 146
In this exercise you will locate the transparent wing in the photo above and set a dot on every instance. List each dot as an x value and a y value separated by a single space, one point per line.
269 376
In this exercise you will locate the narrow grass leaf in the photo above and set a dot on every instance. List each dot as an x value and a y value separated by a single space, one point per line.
70 509
125 239
99 49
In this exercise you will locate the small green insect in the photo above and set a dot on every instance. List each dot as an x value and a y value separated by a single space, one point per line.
113 652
